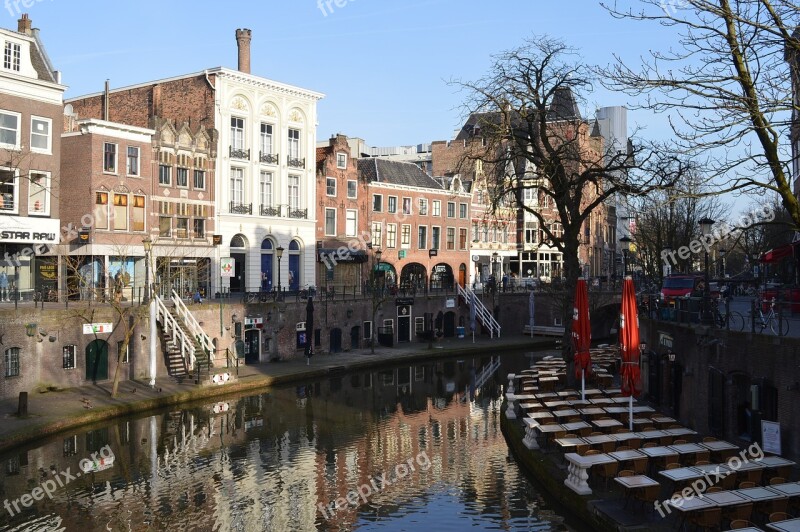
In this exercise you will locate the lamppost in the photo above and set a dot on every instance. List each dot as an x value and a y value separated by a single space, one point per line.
626 243
147 242
705 224
722 252
279 253
376 296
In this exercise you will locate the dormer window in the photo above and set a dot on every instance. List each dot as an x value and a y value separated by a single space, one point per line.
341 160
11 56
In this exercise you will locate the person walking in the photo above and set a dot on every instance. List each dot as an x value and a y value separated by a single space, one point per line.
3 286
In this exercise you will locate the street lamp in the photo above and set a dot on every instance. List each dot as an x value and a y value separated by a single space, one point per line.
722 252
705 228
495 257
626 243
376 296
147 242
279 253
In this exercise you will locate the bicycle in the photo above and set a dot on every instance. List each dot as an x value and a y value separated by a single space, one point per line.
260 297
778 326
733 320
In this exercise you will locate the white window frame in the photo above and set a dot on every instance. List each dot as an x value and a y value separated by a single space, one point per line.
265 188
422 244
46 210
463 211
72 351
9 354
168 234
116 158
451 204
113 220
341 161
12 54
450 230
373 202
377 234
144 212
137 172
407 201
177 181
438 245
351 225
14 195
232 189
293 189
238 134
98 206
436 208
169 175
355 189
391 236
194 178
423 206
325 222
328 181
405 236
389 205
264 136
17 131
293 143
49 122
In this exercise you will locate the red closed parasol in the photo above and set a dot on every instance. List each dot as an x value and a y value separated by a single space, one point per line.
630 376
581 333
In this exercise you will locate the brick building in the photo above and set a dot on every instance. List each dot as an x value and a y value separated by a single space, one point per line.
31 105
264 133
342 218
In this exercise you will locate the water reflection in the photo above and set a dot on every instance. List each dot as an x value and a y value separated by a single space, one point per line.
288 460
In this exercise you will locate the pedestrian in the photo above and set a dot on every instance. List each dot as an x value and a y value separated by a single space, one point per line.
197 297
505 281
3 286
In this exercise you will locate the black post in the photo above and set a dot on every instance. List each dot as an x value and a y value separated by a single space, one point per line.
22 408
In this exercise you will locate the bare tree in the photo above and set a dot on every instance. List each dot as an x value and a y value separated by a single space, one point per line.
531 141
726 85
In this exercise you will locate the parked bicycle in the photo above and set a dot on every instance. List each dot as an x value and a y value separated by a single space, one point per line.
260 297
772 320
732 320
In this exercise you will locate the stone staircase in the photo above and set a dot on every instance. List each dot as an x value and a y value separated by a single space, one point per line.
482 314
185 353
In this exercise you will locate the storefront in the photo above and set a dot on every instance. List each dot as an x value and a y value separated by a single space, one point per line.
23 267
340 267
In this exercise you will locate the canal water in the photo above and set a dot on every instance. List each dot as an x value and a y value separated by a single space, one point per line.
408 448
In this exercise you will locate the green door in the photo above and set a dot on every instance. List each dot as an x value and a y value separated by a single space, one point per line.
97 361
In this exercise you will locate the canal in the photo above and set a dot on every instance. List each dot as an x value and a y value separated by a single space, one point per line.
404 448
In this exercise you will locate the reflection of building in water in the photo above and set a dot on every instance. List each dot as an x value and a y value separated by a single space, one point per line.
266 462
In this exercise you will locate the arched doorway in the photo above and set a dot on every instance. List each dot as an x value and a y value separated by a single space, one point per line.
413 277
238 247
336 340
294 265
267 264
462 275
385 275
97 361
449 324
355 337
442 276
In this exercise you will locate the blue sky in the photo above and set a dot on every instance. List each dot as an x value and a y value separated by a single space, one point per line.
382 64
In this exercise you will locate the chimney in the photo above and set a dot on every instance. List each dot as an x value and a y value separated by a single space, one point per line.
24 24
106 96
243 43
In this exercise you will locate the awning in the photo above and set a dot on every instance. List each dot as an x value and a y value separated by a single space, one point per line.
777 254
333 256
384 267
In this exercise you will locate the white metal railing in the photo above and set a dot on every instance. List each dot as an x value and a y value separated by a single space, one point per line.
481 312
487 371
191 322
176 333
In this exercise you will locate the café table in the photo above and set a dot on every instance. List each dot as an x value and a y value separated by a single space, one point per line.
711 469
578 470
592 411
602 401
789 525
688 448
658 452
530 406
540 415
565 413
526 397
636 481
681 474
775 461
568 444
597 440
642 409
553 404
720 449
622 456
546 395
726 498
578 402
622 436
568 393
613 391
606 423
617 410
577 425
620 400
790 489
652 434
593 391
681 431
663 420
692 504
759 494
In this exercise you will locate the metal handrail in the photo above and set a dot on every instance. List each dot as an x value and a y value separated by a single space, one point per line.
481 312
193 325
179 336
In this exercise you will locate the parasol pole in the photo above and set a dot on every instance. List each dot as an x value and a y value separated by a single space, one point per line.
630 412
583 384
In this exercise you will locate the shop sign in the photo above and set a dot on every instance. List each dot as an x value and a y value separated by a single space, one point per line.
227 267
98 328
23 230
450 302
216 240
433 252
664 340
250 323
404 301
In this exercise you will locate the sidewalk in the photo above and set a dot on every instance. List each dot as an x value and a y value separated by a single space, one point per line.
53 412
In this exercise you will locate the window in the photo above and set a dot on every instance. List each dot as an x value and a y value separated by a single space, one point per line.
11 56
164 175
391 235
294 192
12 362
164 226
377 203
182 227
462 210
265 189
40 134
435 237
351 222
237 186
341 160
485 231
475 233
133 160
294 143
101 210
123 352
462 238
437 208
405 235
200 179
451 209
120 212
266 139
38 197
68 356
330 186
423 206
330 222
376 235
505 234
480 197
422 234
352 189
138 213
9 126
392 204
419 328
182 177
451 238
406 205
199 228
237 133
109 157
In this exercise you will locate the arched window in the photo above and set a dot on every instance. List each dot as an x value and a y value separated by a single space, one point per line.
267 265
294 265
237 241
